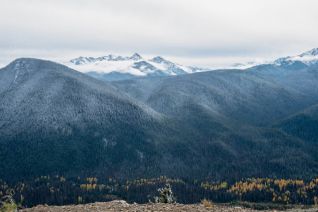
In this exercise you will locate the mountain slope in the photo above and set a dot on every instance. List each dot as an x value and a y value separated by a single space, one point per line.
255 96
58 119
303 125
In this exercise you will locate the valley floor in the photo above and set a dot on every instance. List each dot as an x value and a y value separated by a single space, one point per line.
120 205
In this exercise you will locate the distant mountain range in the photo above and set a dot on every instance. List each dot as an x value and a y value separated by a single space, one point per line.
112 67
221 124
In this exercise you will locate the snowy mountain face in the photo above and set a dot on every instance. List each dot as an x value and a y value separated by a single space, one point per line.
127 66
308 58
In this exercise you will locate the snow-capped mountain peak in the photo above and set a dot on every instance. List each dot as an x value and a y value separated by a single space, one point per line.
307 58
134 65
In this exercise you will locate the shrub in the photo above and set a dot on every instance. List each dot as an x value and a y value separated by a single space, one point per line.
7 204
165 195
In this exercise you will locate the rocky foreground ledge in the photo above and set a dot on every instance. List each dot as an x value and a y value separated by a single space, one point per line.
120 205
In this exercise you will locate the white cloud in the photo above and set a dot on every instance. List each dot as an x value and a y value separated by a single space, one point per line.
198 30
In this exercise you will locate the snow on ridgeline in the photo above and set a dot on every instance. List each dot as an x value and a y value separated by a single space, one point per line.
133 65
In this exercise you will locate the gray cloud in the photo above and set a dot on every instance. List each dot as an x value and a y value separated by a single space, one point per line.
182 29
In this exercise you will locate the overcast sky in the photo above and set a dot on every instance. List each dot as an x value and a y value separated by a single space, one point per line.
198 32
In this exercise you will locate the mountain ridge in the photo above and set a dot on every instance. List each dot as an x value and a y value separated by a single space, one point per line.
207 125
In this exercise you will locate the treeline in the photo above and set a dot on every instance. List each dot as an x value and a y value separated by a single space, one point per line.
60 190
